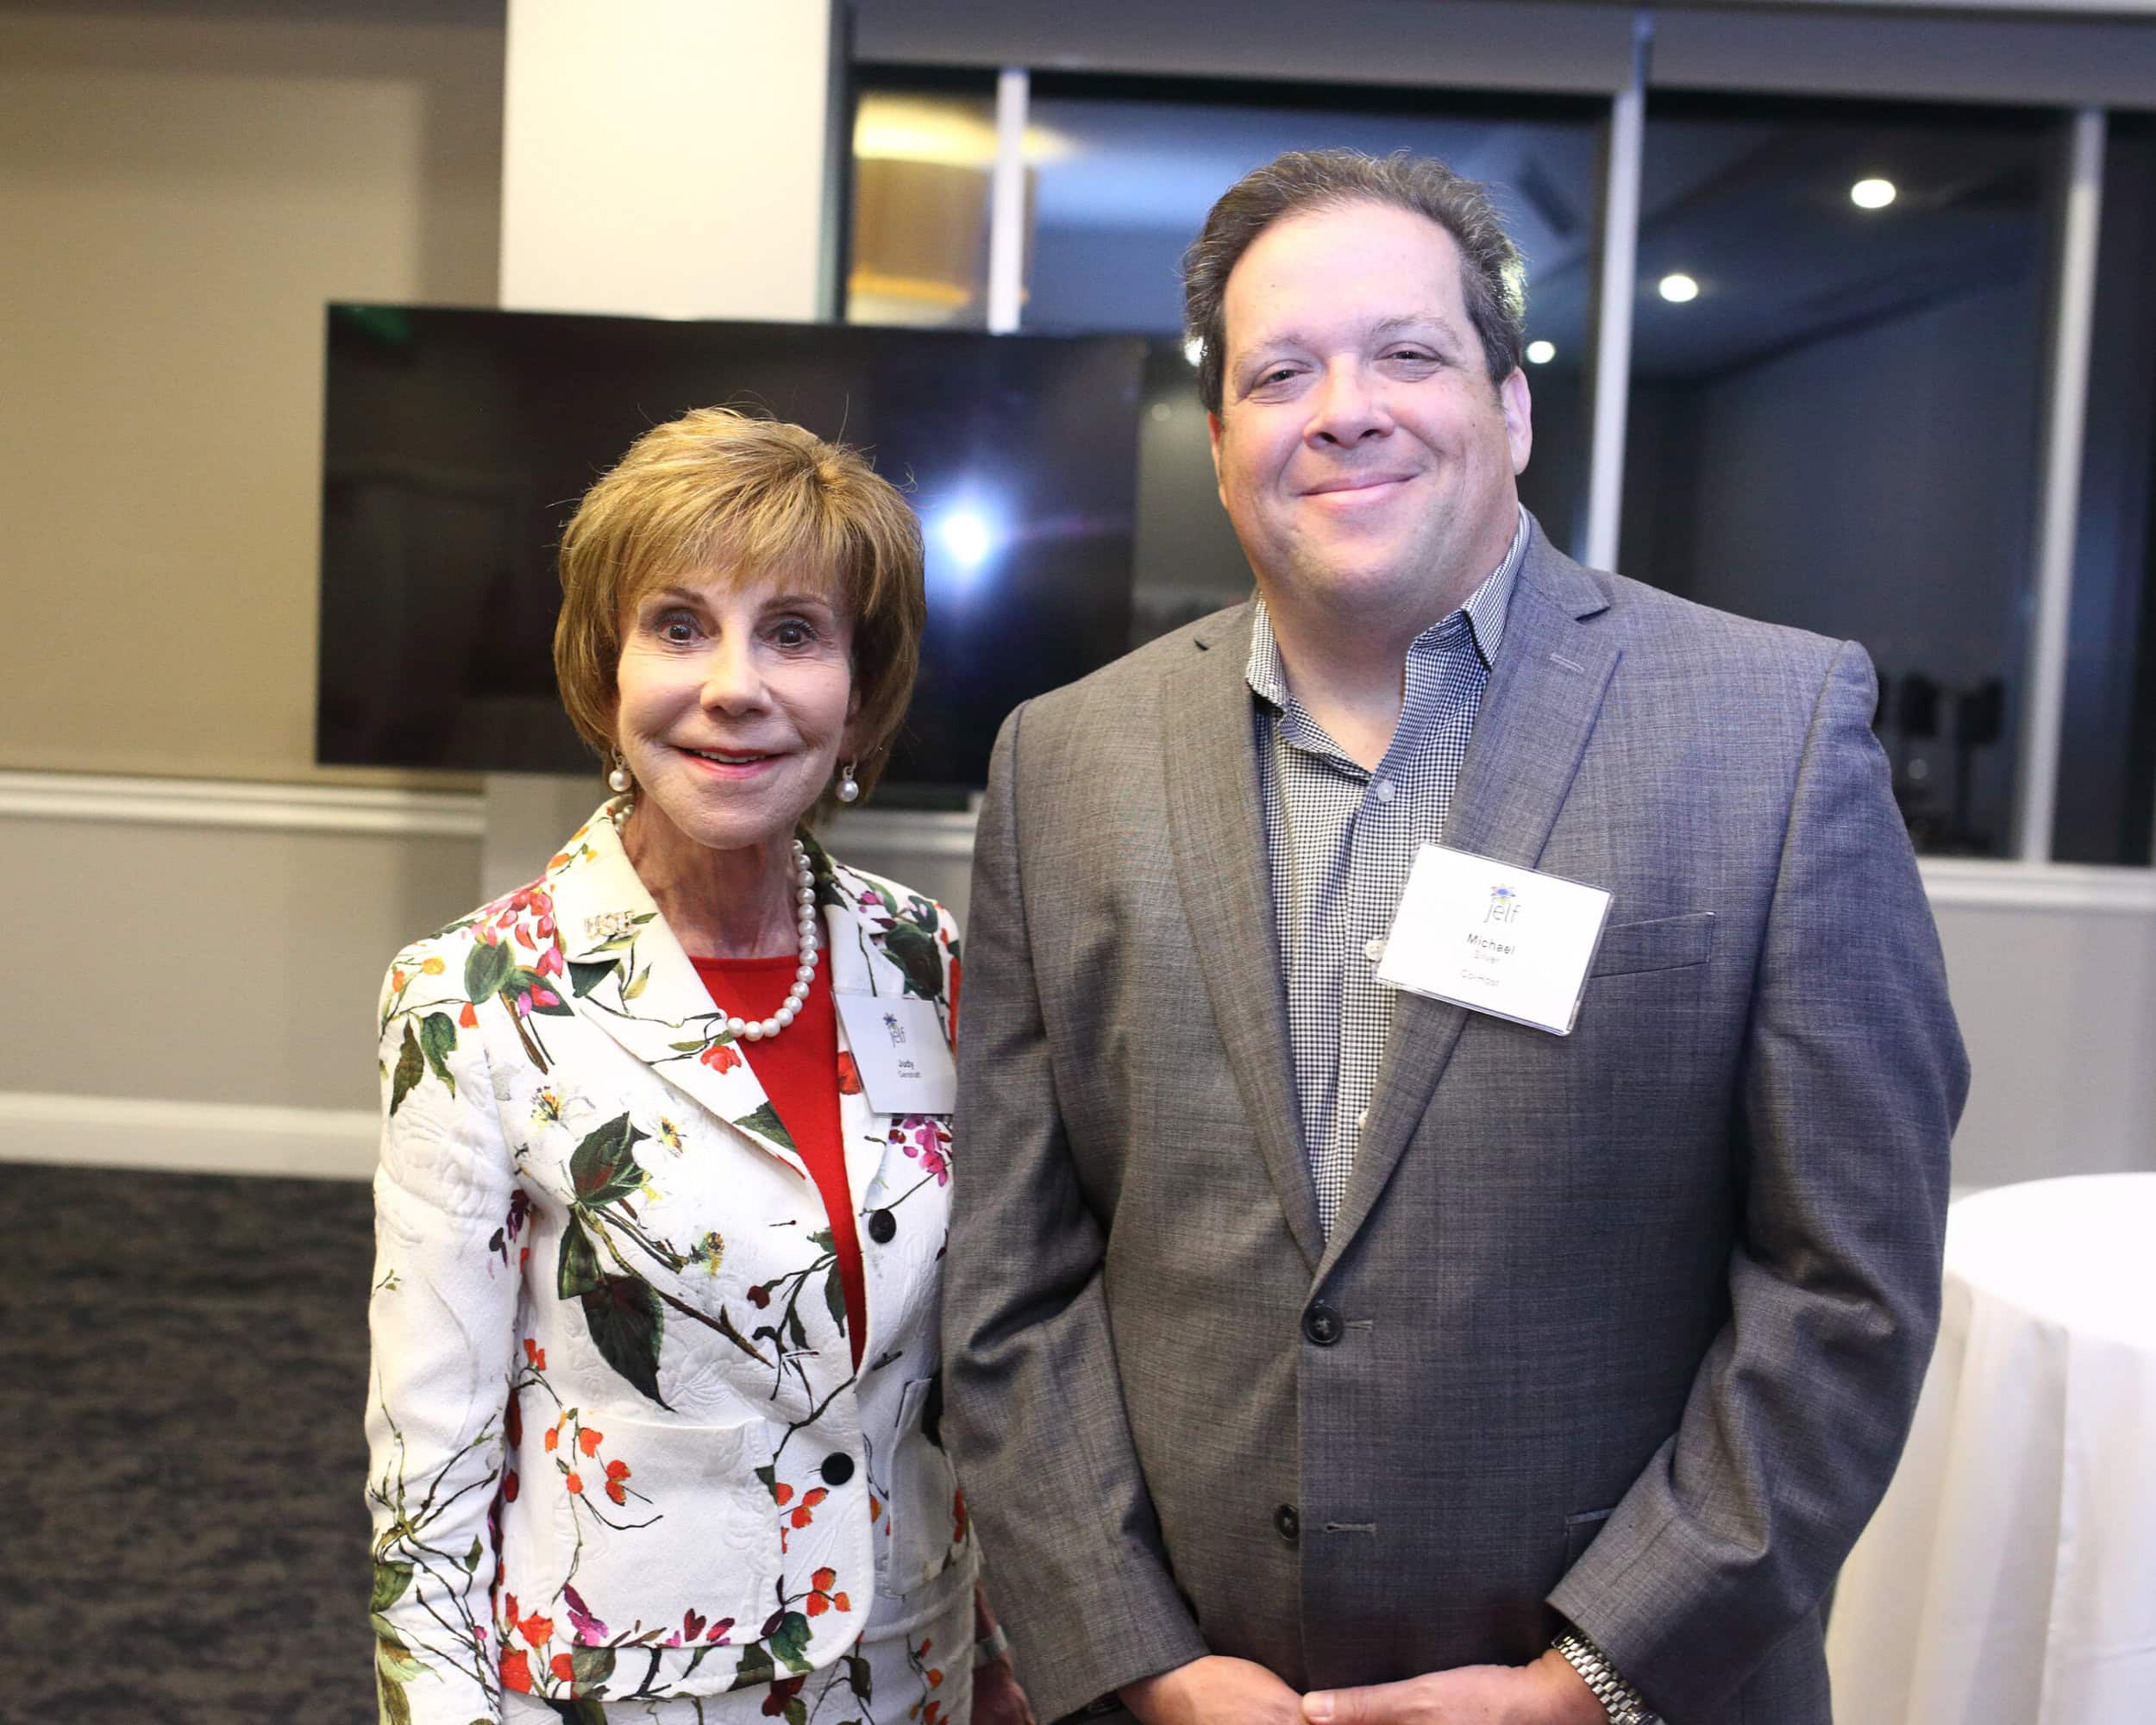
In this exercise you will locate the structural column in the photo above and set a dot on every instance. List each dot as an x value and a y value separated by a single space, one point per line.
660 157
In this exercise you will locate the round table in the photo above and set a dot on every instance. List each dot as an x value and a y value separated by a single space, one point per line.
2009 1578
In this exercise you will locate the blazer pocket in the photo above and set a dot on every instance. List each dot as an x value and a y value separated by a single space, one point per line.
662 1520
1580 1532
1663 944
925 1531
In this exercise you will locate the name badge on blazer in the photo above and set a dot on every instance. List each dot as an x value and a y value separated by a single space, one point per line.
1503 940
898 1046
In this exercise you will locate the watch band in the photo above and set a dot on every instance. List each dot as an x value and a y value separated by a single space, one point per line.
1621 1701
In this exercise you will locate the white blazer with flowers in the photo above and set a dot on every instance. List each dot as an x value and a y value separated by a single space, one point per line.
618 1446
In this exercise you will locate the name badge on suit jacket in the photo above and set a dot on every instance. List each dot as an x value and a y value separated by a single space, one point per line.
898 1046
1502 940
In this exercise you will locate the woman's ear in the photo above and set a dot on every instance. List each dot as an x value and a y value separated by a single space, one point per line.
849 738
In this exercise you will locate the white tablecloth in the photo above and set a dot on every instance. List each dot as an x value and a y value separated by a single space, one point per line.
2009 1578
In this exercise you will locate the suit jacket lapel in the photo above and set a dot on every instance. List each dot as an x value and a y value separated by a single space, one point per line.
1217 831
628 976
1545 693
861 926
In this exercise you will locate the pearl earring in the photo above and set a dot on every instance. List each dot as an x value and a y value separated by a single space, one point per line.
848 788
618 780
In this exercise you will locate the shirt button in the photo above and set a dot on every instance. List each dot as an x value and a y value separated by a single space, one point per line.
1361 1119
837 1469
1385 789
883 1226
1373 949
1287 1523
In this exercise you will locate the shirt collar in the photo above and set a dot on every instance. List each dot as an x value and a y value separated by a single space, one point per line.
1485 610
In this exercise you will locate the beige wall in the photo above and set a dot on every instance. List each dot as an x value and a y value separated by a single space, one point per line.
210 964
181 189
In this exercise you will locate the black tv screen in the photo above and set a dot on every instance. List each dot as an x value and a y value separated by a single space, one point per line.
457 443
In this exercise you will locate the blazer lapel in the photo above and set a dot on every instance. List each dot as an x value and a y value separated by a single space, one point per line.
628 976
863 963
1217 831
1545 693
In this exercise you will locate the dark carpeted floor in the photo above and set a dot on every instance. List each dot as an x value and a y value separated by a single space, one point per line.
181 1457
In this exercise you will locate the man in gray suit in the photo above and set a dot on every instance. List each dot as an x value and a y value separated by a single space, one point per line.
1321 1351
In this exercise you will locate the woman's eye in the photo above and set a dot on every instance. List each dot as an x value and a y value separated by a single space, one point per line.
793 632
676 628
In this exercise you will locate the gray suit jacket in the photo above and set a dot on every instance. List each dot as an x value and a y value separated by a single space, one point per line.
1632 1321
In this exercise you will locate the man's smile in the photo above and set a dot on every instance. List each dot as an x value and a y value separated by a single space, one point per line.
1358 485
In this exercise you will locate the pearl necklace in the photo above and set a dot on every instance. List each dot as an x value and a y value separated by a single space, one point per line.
754 1030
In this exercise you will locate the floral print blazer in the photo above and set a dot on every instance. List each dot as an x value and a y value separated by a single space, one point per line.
618 1446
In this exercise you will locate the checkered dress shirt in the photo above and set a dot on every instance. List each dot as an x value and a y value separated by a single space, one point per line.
1339 842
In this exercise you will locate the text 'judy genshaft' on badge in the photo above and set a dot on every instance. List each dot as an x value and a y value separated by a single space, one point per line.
1502 939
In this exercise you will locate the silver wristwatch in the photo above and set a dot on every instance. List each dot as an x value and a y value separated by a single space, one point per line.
1619 1698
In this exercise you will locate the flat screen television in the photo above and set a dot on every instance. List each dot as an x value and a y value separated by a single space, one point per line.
457 443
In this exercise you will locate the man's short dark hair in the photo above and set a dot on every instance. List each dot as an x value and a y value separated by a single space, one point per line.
1493 280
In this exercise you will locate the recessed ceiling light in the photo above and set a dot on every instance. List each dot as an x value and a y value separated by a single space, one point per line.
1677 287
1541 353
1872 194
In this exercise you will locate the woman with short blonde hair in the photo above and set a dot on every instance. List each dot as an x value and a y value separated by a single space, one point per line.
655 1390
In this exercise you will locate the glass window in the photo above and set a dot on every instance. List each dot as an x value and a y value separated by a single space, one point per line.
1839 345
1122 175
2107 767
924 147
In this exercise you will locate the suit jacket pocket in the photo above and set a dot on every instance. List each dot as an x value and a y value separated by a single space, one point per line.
665 1521
926 1537
1580 1532
1663 944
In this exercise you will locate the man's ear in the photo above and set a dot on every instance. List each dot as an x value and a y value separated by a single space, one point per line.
1519 407
1213 433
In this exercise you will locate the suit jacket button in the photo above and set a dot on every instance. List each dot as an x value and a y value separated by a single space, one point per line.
1287 1524
883 1226
1321 1324
838 1467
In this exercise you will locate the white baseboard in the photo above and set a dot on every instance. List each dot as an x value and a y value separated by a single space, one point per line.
188 1137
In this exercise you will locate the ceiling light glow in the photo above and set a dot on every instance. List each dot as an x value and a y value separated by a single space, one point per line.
1194 350
966 536
942 130
1541 353
1872 194
1677 287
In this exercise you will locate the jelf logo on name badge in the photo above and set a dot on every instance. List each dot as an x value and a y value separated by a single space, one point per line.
898 1031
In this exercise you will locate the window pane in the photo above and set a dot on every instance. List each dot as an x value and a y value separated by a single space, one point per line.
1121 176
2107 769
922 155
1837 351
